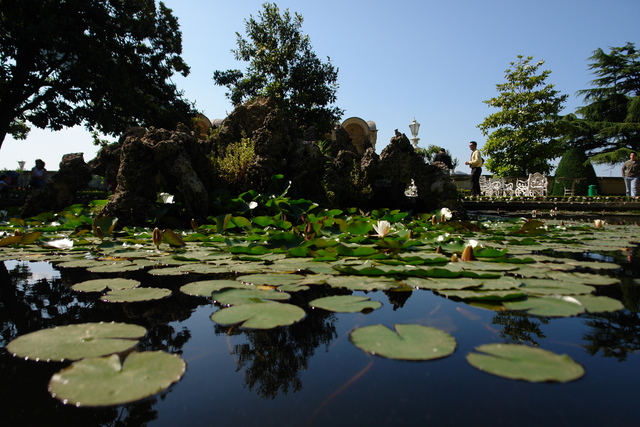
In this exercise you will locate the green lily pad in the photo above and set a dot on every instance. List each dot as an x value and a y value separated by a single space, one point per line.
249 296
205 288
73 342
345 303
117 267
599 304
443 283
270 279
104 381
360 283
490 295
555 287
407 342
521 362
136 295
264 315
551 306
99 285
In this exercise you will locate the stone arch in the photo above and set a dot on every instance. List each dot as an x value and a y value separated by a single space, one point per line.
360 131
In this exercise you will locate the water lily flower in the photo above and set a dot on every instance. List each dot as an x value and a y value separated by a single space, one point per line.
165 198
382 228
445 214
61 243
598 223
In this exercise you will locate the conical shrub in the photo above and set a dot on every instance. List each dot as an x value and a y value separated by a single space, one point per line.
574 165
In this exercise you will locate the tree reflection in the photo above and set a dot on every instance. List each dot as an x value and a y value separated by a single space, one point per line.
27 306
518 328
273 359
614 334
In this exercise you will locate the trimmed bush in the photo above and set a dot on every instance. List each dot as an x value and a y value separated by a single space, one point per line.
574 165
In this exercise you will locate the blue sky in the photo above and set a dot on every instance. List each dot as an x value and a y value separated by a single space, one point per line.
432 60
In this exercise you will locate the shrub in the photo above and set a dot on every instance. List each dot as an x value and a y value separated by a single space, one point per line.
574 164
233 165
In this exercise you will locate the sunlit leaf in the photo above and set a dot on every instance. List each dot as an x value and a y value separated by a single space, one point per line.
73 342
345 303
105 381
136 294
264 315
99 285
408 342
526 363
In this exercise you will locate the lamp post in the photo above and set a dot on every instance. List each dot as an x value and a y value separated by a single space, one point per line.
414 127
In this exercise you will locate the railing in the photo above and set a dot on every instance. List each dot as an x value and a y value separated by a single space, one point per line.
535 185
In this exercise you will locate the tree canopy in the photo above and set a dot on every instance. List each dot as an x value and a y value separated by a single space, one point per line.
283 66
103 63
608 125
527 125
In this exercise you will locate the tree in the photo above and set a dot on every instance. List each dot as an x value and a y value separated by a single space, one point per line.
103 63
574 164
608 126
283 66
527 125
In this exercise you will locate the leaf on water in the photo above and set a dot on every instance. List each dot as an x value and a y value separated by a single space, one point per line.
99 285
270 279
550 306
104 381
205 288
345 303
521 362
136 295
407 342
357 283
73 342
263 315
248 296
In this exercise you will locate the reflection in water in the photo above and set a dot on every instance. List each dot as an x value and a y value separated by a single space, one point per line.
519 328
272 361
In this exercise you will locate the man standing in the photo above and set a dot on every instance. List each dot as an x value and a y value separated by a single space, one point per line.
630 174
475 163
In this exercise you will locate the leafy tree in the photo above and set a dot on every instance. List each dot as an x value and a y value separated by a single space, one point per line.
527 125
608 126
104 63
283 66
574 164
431 150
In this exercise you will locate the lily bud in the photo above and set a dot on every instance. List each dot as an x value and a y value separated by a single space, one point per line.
454 258
194 224
467 254
434 220
598 223
99 232
157 237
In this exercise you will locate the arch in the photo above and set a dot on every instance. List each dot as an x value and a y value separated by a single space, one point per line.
360 131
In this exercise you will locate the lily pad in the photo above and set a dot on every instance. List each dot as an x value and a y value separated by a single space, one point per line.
407 342
248 296
521 362
345 303
136 294
551 306
270 279
360 283
73 342
99 285
103 381
205 288
264 315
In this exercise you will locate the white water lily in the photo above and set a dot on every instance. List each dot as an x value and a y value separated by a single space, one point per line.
472 243
60 243
382 228
165 198
442 237
445 214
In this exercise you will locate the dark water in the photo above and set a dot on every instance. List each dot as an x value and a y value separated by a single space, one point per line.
310 374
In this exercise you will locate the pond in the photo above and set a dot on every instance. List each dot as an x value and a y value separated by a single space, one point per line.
310 373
